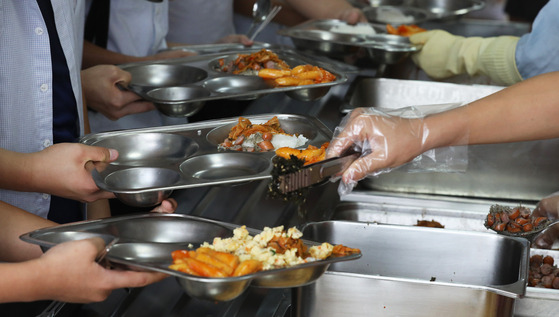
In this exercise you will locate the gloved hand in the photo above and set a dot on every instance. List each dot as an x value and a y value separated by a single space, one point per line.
547 207
385 142
444 55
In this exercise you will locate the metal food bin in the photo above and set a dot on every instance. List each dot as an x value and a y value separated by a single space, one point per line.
525 171
412 271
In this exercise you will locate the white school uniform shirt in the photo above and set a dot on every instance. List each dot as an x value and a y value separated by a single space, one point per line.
200 21
137 28
26 81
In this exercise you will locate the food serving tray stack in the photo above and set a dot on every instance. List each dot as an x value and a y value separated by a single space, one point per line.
180 87
153 162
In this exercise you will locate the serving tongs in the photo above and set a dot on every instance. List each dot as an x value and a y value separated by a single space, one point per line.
315 173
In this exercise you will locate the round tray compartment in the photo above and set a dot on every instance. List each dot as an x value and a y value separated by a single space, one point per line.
224 166
149 76
240 87
178 101
291 126
149 182
137 149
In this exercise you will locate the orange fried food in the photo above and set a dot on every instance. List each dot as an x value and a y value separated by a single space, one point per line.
310 155
256 61
246 128
282 244
298 76
342 250
210 263
404 30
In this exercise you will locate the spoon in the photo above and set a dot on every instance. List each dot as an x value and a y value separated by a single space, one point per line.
260 11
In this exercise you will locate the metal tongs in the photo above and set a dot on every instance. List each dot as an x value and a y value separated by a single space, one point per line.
315 173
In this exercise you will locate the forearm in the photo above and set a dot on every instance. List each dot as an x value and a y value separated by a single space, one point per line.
526 111
16 171
321 9
16 222
22 282
94 55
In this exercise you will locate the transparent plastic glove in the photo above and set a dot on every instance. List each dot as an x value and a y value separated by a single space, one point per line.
547 207
444 55
388 139
385 142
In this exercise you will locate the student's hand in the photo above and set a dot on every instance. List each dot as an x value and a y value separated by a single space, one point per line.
167 206
352 16
70 273
236 38
103 94
64 169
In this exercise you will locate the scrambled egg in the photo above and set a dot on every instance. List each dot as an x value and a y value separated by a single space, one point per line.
247 247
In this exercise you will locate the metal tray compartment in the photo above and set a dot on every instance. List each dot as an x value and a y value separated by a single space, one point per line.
515 171
155 161
382 48
145 243
180 87
453 213
410 271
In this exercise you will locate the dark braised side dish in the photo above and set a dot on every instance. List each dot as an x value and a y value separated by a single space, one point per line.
429 223
543 272
514 221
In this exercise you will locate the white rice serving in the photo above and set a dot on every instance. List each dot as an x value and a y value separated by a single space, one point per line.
284 140
359 28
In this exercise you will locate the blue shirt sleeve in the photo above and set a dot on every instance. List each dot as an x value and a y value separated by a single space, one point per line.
536 52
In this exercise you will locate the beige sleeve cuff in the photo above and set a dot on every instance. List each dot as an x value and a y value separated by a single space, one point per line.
499 62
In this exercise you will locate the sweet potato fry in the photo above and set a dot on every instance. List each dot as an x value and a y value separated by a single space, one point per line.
227 258
203 269
247 267
208 259
270 73
180 254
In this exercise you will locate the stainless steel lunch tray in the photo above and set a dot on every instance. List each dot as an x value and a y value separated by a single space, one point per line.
382 48
412 271
180 87
439 10
218 47
145 243
153 162
464 214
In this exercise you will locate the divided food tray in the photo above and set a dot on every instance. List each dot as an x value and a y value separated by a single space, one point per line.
155 161
146 241
180 87
318 36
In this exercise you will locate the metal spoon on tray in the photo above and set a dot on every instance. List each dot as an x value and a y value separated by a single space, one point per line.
260 11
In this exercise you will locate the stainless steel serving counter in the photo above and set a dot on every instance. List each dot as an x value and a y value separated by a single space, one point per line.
247 204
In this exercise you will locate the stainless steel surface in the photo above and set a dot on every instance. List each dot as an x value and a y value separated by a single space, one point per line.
315 173
271 15
439 9
465 214
317 36
200 72
260 11
405 15
170 232
202 49
416 271
153 162
399 93
171 100
529 176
